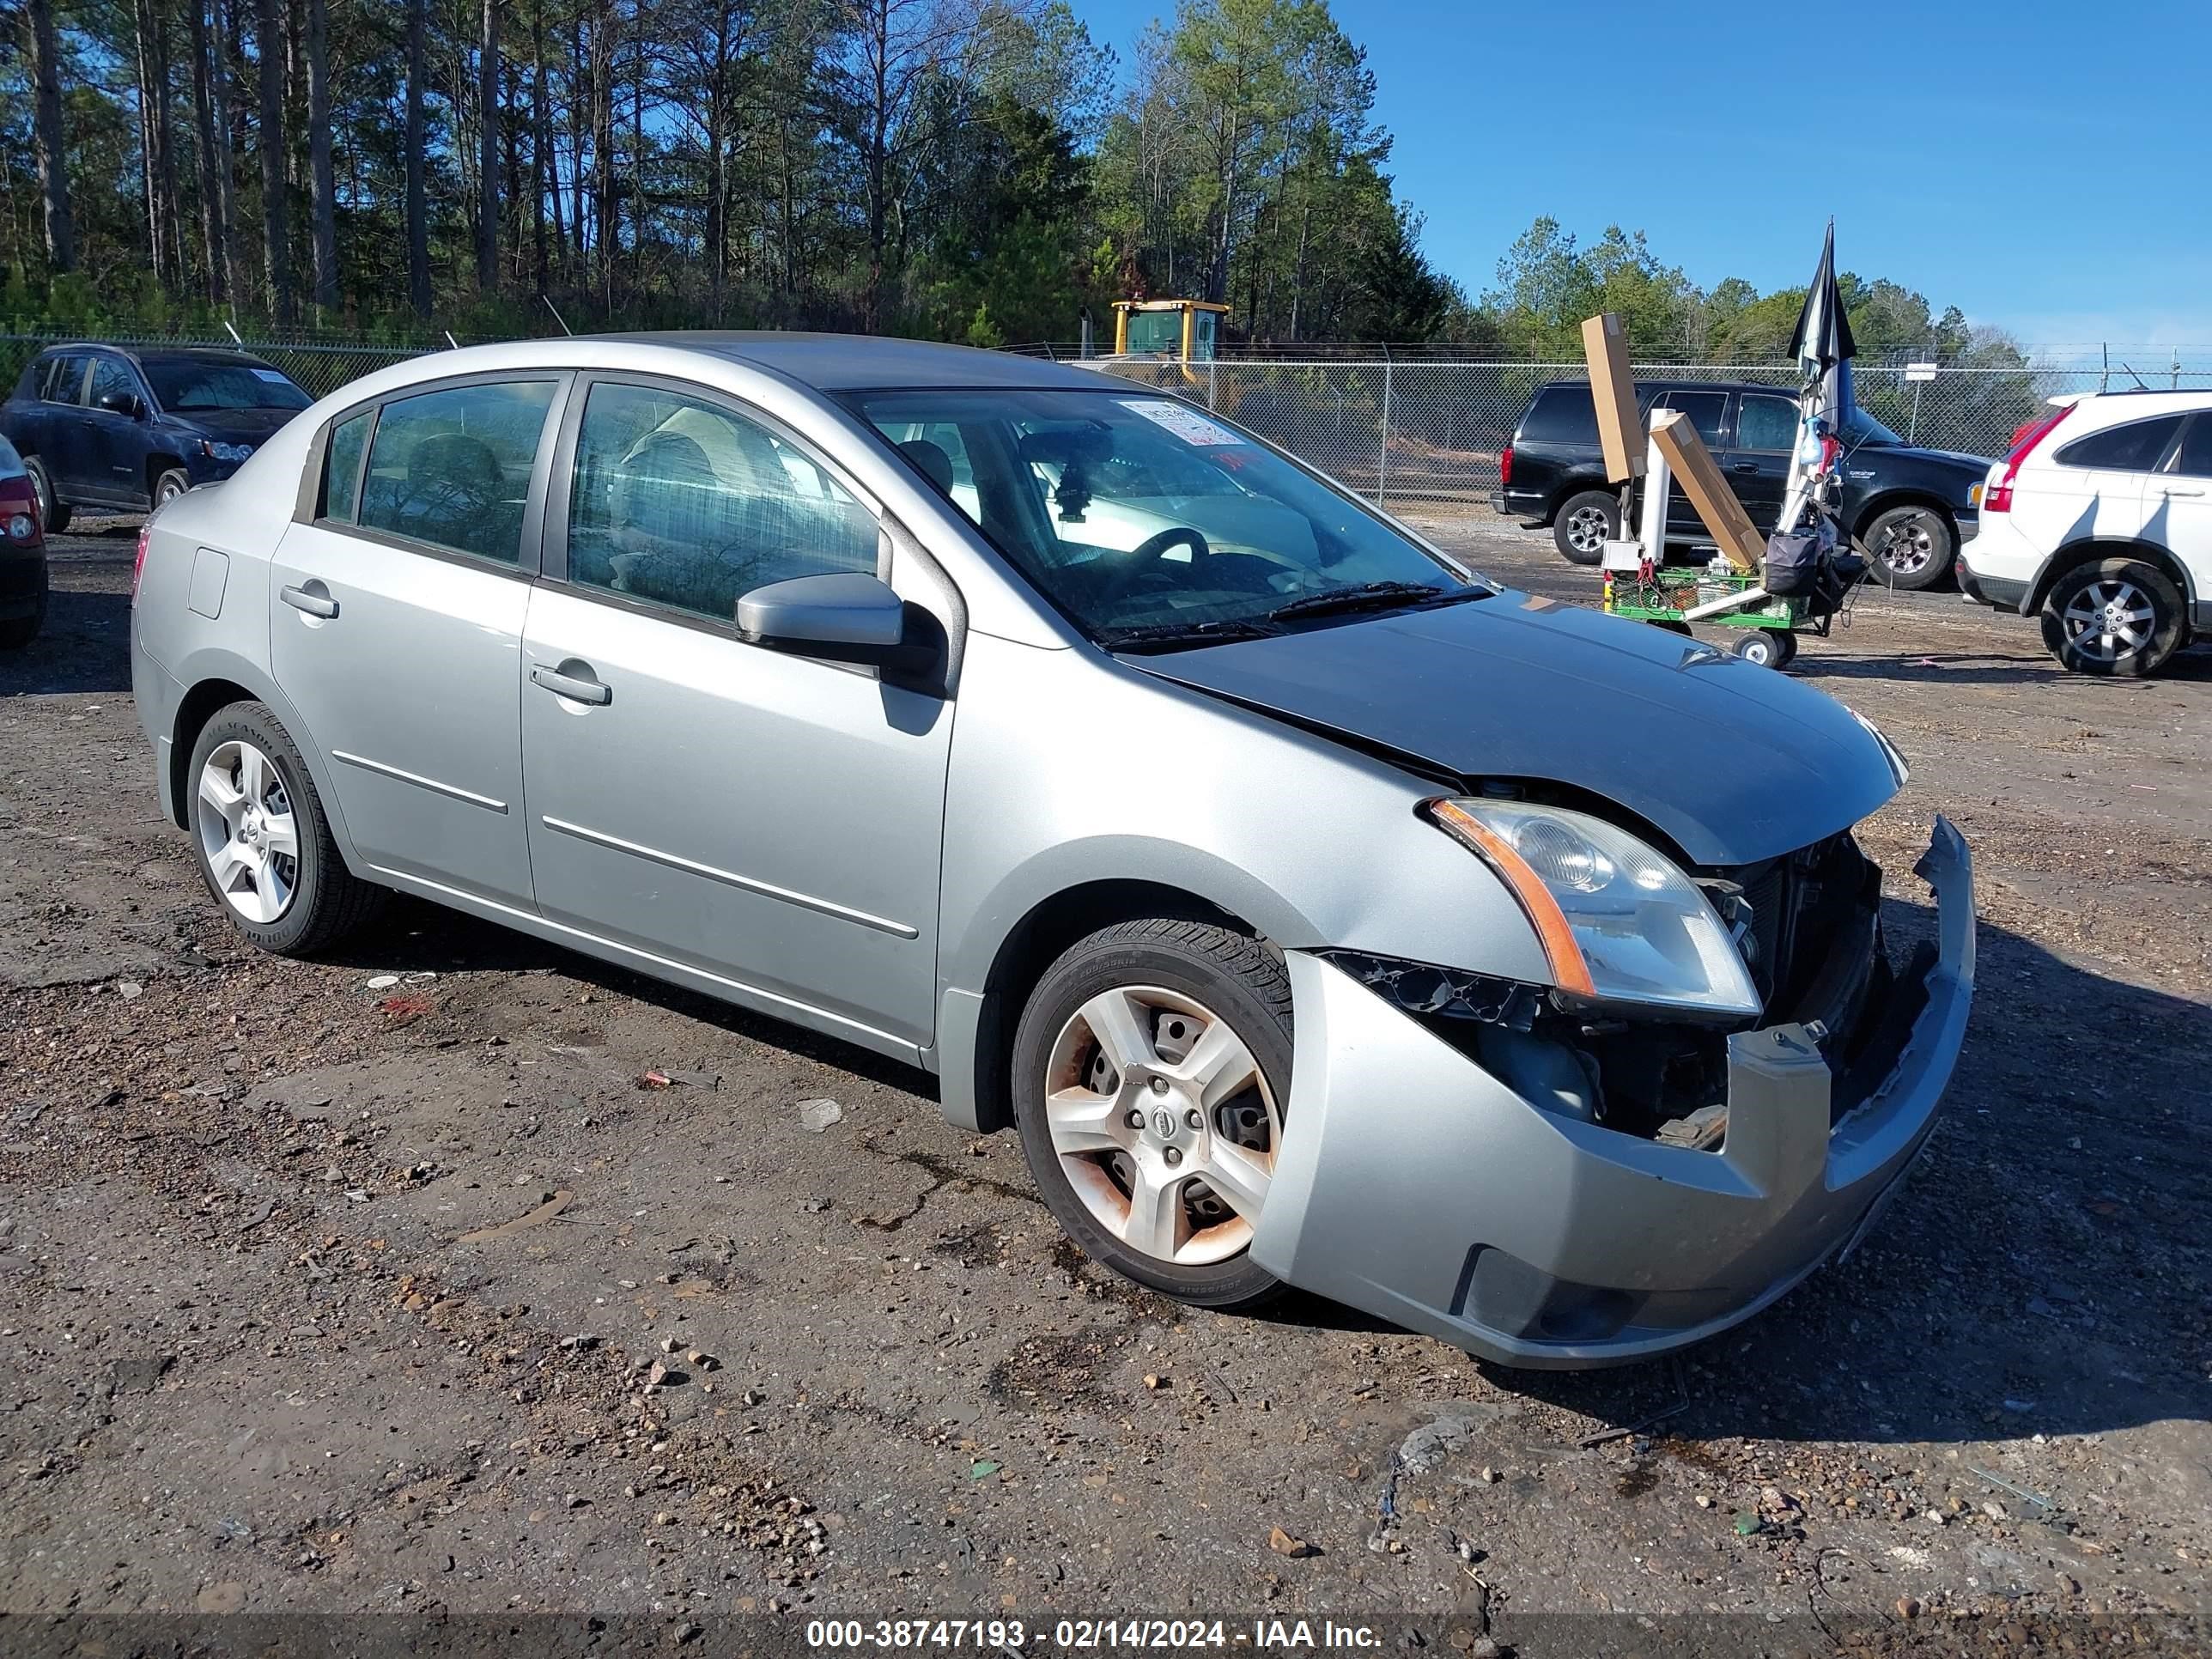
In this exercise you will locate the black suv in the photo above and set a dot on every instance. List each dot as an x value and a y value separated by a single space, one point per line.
107 426
1909 507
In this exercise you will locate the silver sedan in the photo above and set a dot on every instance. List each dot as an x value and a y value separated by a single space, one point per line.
1318 912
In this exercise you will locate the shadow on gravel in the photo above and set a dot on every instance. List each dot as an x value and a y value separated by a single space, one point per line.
85 646
2042 1272
1971 668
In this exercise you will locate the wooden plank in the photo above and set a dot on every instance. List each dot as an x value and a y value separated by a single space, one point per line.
1612 392
1700 477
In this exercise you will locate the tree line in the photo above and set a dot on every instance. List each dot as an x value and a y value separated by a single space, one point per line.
975 170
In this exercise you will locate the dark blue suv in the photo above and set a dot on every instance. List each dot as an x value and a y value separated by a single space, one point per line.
103 427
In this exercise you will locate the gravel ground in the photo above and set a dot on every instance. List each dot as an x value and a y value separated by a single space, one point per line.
320 1295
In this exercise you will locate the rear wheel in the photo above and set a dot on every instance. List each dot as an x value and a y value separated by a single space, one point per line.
262 841
1910 547
19 631
2117 617
1770 648
1150 1067
53 514
1584 524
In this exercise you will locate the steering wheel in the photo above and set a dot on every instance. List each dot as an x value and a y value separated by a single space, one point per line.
1142 560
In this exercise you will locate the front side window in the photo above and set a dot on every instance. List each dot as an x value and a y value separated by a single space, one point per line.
683 502
1142 516
183 385
2133 447
341 468
451 468
112 381
1765 424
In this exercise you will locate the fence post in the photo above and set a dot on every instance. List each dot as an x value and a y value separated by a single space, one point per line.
1383 461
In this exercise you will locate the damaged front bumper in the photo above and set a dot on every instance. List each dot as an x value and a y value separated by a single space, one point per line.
1413 1185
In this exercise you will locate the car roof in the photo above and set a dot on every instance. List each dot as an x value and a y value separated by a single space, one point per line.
853 362
156 354
2140 402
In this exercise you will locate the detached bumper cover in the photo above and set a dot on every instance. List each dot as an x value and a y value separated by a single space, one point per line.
1415 1186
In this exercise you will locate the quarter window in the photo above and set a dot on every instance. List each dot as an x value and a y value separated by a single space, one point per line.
2133 447
1765 424
686 504
451 468
341 469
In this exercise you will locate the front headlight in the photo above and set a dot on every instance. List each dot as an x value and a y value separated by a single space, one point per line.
217 452
1619 921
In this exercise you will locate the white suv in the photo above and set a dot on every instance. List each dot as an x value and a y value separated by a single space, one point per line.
2101 519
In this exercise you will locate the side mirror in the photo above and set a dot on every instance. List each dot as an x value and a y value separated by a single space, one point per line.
124 404
843 618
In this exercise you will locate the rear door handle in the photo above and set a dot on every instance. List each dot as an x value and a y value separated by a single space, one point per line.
1743 466
2181 492
315 604
571 686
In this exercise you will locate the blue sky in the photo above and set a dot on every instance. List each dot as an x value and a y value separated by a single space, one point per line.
2041 164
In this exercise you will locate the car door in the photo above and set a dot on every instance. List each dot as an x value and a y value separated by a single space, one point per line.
1757 460
2178 506
766 818
1708 412
396 613
113 464
64 446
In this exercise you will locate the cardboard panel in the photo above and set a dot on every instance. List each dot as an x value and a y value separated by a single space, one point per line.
1700 477
1612 391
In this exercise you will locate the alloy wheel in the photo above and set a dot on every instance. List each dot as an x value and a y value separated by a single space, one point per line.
1163 1123
1586 530
2108 620
248 833
1906 548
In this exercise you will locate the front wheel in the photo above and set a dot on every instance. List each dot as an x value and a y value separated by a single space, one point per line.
1911 546
2117 616
1150 1065
261 840
170 486
1584 524
1768 647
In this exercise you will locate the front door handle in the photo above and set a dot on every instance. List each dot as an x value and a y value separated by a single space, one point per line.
314 604
2181 492
1743 466
574 686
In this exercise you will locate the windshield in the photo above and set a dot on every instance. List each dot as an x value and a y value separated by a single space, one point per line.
184 384
1860 428
1139 515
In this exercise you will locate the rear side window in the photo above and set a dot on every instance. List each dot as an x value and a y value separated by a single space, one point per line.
341 469
2133 447
1705 410
1560 414
452 468
2194 456
65 380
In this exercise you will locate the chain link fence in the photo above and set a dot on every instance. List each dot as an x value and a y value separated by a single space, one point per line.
1420 431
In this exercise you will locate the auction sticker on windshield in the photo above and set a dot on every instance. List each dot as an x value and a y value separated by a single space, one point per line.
1187 424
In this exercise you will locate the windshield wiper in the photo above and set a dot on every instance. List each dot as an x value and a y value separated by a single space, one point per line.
1374 596
1166 636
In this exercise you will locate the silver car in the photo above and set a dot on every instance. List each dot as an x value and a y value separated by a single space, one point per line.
1318 912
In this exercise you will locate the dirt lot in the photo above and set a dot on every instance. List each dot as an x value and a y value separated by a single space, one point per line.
270 1341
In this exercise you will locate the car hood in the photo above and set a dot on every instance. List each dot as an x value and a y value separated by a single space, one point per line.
1733 762
252 426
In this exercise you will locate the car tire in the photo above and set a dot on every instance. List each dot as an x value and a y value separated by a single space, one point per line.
1157 990
2138 601
19 631
53 514
170 486
1909 547
1584 524
249 797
